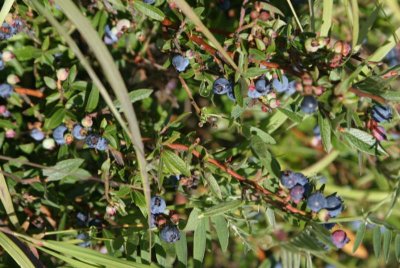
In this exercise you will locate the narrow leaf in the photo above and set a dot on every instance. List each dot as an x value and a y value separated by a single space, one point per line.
325 129
199 240
181 249
6 200
377 241
221 226
387 238
221 208
15 252
397 246
149 10
174 163
326 17
359 236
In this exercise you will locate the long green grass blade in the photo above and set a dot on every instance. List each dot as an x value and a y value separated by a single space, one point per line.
6 200
188 11
5 9
68 260
15 252
356 23
326 17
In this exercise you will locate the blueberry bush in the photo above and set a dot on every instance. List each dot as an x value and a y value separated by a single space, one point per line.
200 133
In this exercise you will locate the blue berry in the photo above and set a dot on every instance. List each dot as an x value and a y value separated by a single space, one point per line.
231 95
150 2
5 90
334 205
381 113
281 86
110 35
79 132
339 238
82 219
261 88
222 86
317 131
85 237
180 63
329 226
170 234
157 205
316 202
58 134
288 180
37 134
291 88
224 4
300 178
2 65
297 193
309 104
96 142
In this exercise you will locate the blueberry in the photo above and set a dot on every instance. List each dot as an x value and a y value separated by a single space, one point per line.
95 222
85 237
291 88
381 113
329 226
288 180
96 142
110 36
37 134
2 65
5 90
157 205
150 2
339 238
297 193
222 86
379 133
231 95
309 104
261 88
58 134
224 4
82 219
316 202
334 205
180 63
317 131
170 234
79 132
281 86
300 178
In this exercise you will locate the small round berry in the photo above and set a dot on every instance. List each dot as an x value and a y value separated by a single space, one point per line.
2 64
149 2
261 88
170 234
62 74
231 95
379 133
281 86
12 79
180 63
10 133
68 138
224 4
157 205
111 210
123 25
334 205
381 113
329 226
58 134
85 237
300 178
317 131
111 35
96 142
79 132
288 180
49 144
222 86
297 193
323 215
37 134
87 122
339 238
309 104
174 216
5 90
316 202
7 56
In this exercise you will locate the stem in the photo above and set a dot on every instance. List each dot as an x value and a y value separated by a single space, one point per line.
321 164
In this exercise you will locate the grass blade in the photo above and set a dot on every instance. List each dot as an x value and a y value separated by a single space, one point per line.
326 17
295 15
377 241
359 236
387 238
15 252
5 10
356 21
6 200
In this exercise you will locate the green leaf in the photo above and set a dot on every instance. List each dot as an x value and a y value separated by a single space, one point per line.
325 128
73 262
50 82
255 72
174 164
62 169
193 220
213 184
265 137
377 241
221 208
136 95
366 26
397 246
14 251
25 53
261 150
149 10
221 227
199 240
181 250
356 22
55 119
93 100
326 17
387 238
363 141
292 115
5 9
359 236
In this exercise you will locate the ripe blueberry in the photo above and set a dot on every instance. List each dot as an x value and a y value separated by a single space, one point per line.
86 240
309 104
157 205
334 205
170 234
381 113
224 4
96 142
79 132
180 63
339 238
289 179
379 133
297 193
231 95
5 90
222 86
316 202
261 88
281 86
58 134
37 134
110 36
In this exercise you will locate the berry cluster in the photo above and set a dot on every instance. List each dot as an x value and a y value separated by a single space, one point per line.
327 207
112 35
169 232
10 27
379 114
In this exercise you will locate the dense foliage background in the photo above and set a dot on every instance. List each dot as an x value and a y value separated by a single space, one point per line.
199 133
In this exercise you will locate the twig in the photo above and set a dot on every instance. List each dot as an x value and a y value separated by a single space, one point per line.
192 101
368 95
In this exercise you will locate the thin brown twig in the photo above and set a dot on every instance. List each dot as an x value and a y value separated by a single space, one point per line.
189 93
